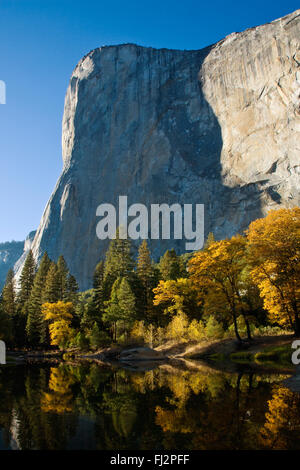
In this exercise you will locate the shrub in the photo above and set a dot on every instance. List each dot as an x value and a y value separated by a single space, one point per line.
213 329
178 327
196 330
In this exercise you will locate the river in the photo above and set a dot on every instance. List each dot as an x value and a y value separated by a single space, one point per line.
94 406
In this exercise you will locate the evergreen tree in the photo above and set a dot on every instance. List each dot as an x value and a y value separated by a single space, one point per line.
148 276
121 308
23 297
85 310
99 288
35 326
9 295
5 326
98 274
98 338
127 304
62 277
72 290
51 292
171 266
112 309
8 308
26 281
118 263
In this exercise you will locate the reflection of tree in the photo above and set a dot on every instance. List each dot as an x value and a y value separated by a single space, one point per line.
162 408
59 399
219 415
122 409
282 427
31 427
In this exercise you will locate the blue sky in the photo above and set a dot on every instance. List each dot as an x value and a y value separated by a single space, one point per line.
40 43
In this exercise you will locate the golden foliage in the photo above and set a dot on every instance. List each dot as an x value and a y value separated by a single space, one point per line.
59 399
282 419
217 272
178 297
60 316
274 252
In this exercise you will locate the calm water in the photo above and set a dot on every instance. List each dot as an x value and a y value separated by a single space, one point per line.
93 407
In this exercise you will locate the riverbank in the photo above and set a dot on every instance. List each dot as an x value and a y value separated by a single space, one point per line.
274 351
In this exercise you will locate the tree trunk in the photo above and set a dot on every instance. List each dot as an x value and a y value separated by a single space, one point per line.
236 329
248 329
297 326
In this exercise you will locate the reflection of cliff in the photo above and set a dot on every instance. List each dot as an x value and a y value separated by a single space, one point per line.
218 126
14 431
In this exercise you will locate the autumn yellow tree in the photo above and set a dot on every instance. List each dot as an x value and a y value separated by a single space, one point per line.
59 315
218 272
177 297
274 253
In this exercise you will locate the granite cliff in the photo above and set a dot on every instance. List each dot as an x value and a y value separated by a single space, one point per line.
218 126
13 255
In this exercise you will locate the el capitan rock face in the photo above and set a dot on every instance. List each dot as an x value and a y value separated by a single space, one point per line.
218 126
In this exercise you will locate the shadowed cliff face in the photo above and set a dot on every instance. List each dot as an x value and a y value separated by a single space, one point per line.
219 126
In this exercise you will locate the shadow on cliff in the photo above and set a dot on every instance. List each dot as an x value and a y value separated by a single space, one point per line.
148 132
192 174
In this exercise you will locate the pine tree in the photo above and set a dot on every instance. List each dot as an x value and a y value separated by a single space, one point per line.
9 295
27 279
62 275
127 303
112 310
35 326
118 262
121 308
5 326
148 277
98 298
51 292
98 338
72 290
171 266
8 308
23 297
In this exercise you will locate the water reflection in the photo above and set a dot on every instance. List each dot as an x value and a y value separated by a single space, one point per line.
94 407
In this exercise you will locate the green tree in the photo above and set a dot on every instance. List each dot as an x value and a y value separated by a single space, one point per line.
121 308
99 291
127 304
35 326
5 325
62 278
118 263
112 310
8 307
148 277
51 292
171 266
9 294
98 338
26 283
72 290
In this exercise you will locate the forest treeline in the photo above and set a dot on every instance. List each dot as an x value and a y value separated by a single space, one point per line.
239 286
